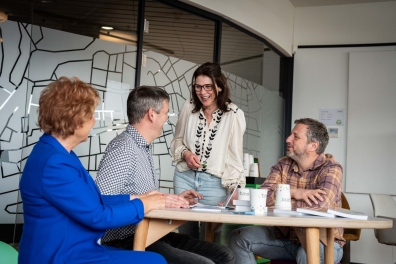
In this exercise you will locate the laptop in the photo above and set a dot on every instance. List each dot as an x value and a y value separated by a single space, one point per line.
217 208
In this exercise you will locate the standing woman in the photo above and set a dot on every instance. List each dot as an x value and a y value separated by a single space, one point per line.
64 213
208 142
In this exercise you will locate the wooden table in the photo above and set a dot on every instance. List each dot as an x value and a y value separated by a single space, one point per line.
158 223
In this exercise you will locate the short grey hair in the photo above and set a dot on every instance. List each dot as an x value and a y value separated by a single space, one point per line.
141 99
317 132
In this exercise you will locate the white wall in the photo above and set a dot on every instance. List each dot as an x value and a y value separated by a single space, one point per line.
321 81
345 24
321 75
270 19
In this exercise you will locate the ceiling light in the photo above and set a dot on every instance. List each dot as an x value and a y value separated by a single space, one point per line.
122 37
107 28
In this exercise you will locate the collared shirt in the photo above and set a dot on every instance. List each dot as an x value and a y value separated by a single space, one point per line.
325 174
219 145
127 167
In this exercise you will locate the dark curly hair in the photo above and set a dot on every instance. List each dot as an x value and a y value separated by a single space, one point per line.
317 132
213 71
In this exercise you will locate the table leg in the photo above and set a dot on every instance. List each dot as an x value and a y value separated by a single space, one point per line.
150 230
209 236
140 239
210 228
329 249
312 240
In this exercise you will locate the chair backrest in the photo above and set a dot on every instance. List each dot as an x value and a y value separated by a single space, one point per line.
385 206
349 234
8 254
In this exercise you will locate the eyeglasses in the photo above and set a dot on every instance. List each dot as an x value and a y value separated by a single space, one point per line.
207 87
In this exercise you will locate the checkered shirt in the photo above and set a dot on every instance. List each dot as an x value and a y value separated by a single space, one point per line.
127 167
325 174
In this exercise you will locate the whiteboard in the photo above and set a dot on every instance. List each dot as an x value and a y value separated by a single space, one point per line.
371 128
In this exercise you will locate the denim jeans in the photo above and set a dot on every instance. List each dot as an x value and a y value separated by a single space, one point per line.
260 240
182 249
206 184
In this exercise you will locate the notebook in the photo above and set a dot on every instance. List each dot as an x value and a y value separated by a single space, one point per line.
315 211
217 208
348 213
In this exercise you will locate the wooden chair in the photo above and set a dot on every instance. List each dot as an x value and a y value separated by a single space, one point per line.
349 234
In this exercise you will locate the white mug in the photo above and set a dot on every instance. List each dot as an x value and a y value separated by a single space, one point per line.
253 170
258 201
282 197
244 194
251 160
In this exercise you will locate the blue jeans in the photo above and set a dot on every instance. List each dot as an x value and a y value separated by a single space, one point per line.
206 184
260 240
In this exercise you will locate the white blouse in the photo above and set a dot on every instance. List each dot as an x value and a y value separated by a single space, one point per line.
218 146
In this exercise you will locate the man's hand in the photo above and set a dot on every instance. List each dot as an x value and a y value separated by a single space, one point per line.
307 195
192 160
190 196
153 201
176 201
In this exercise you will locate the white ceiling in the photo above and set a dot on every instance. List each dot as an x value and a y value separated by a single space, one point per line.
306 3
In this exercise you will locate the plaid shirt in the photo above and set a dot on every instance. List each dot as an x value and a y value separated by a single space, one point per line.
325 174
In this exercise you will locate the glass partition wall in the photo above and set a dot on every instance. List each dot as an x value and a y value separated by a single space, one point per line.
175 43
42 41
97 41
253 71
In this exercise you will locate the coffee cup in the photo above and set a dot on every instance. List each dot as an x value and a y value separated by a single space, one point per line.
244 194
282 197
253 170
246 157
251 159
258 201
246 165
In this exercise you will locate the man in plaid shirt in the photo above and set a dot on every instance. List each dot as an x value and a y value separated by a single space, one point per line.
315 181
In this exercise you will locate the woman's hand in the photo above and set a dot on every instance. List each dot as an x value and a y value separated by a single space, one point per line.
153 201
143 195
176 201
191 160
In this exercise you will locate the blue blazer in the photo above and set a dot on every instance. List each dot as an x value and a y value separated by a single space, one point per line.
64 213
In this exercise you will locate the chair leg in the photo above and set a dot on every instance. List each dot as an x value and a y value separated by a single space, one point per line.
346 257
